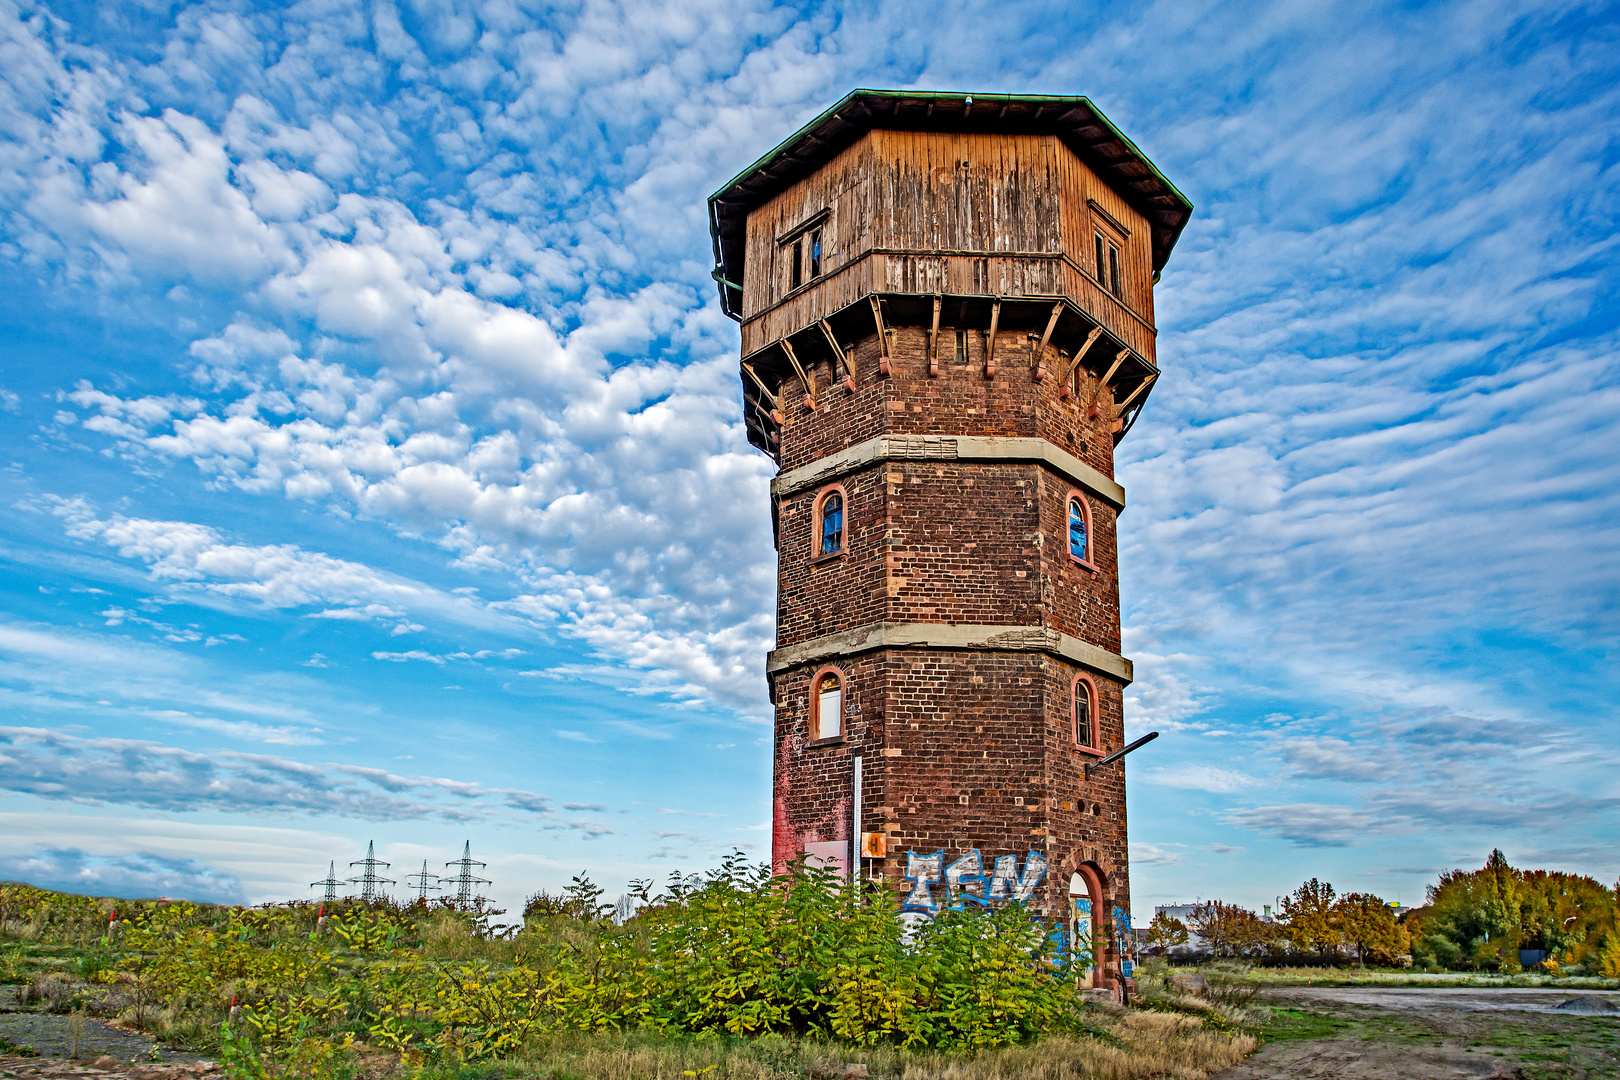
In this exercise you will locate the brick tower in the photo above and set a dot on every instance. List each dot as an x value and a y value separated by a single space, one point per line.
947 326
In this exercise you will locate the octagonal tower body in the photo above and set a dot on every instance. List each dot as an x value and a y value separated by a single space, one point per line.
947 326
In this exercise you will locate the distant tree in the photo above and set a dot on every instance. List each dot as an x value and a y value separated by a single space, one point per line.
1482 918
1227 929
1166 932
1609 958
1309 916
581 899
1367 923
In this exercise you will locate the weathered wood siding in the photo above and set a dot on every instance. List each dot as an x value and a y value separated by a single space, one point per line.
1081 222
911 212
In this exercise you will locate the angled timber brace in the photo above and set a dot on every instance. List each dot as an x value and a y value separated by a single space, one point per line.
1080 354
809 386
883 337
1039 359
1091 407
1147 382
841 358
778 416
933 340
990 341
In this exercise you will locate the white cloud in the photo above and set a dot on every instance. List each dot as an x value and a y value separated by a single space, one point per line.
132 772
135 876
189 559
1211 778
463 267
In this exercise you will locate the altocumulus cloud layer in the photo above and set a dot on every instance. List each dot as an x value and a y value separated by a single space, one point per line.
376 409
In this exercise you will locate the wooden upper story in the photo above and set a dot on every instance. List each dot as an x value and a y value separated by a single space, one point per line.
893 193
953 214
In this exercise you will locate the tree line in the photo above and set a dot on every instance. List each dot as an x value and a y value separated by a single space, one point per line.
1473 920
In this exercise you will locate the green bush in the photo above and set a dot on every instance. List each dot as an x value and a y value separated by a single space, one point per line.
737 953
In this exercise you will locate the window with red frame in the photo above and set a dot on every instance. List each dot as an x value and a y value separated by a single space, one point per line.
1085 711
832 524
829 706
1079 531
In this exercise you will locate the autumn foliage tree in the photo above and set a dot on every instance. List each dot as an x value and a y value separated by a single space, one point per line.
1313 925
1166 932
1480 919
1229 929
1366 923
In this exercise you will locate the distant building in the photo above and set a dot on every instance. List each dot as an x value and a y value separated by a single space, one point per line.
1182 913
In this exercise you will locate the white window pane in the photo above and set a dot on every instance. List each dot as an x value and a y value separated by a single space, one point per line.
829 711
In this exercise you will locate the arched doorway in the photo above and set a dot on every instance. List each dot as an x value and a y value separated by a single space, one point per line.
1085 913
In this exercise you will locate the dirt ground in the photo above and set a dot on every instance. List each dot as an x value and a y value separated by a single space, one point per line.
102 1050
1377 1033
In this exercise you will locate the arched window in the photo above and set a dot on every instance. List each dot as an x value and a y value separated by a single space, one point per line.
1079 528
827 706
830 516
1086 713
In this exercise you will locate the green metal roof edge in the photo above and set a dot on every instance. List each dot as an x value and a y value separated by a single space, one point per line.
955 96
776 150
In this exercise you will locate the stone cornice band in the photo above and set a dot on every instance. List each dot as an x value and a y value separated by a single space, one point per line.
915 635
950 448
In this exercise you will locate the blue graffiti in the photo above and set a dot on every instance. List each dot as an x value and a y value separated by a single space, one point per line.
922 871
1122 937
966 883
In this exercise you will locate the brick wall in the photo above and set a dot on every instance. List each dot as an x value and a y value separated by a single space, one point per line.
961 748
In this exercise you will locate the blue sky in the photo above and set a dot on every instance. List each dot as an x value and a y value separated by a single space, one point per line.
373 464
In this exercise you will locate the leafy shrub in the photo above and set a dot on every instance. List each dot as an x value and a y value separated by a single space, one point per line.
287 990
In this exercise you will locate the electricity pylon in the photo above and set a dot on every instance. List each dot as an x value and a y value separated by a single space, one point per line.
370 883
423 883
465 881
332 882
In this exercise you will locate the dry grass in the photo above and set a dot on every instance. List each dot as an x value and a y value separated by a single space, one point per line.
1152 1044
1132 1044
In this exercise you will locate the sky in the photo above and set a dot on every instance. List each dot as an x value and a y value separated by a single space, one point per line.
373 468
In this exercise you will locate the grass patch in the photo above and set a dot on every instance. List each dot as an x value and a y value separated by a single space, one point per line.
1544 1046
1135 1045
16 1049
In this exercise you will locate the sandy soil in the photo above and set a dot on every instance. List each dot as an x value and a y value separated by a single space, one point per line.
1355 1059
1429 1000
1430 1034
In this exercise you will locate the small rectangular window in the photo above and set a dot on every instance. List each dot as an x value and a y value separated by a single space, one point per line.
961 346
1113 272
815 254
1102 266
795 264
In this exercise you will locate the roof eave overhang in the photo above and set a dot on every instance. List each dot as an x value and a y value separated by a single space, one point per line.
1075 120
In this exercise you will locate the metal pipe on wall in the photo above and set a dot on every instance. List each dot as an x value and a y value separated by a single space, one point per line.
855 838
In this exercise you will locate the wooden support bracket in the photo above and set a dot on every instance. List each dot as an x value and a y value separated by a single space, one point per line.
1102 382
1147 382
770 395
990 341
840 358
933 340
1046 335
768 424
809 387
883 337
1079 355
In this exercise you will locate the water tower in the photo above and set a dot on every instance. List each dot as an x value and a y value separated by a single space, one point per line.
946 305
